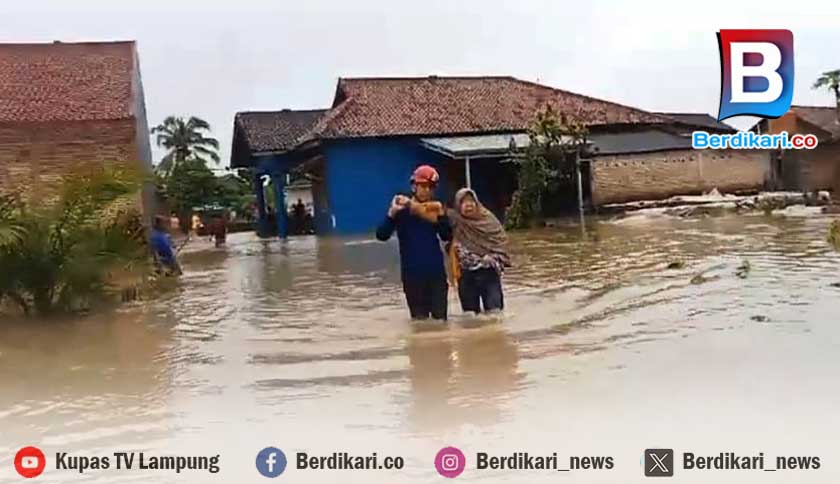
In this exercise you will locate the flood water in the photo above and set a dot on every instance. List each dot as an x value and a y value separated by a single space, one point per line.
306 346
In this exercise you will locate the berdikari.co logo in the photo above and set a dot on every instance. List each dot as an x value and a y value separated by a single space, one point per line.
756 73
756 79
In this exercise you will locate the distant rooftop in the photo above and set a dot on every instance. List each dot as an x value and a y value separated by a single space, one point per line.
700 120
435 105
824 117
276 130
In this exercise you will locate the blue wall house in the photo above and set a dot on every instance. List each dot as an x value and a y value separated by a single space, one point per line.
363 149
265 143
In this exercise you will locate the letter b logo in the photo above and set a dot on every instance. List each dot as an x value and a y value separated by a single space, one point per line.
756 72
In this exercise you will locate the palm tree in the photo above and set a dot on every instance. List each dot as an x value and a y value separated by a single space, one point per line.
184 139
831 81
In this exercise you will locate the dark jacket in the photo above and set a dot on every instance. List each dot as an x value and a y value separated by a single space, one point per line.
421 257
162 247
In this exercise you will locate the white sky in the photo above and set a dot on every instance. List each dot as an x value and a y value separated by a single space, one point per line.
212 59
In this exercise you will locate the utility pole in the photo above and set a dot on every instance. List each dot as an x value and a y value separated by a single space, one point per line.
580 187
467 171
579 182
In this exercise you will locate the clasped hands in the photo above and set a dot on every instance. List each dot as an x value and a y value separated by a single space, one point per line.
427 210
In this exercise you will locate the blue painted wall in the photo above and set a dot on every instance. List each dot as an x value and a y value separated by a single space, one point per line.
267 165
361 176
364 174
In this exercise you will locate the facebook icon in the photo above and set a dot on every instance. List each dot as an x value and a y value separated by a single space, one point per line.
271 462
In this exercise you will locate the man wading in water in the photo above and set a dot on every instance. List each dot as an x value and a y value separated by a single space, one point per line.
161 246
421 258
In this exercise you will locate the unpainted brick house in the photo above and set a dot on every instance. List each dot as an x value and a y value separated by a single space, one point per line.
64 106
807 170
658 161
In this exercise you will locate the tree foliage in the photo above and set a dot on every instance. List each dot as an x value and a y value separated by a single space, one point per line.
554 141
191 184
183 176
830 80
58 256
184 139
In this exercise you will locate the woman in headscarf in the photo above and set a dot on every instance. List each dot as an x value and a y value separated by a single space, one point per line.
478 252
480 248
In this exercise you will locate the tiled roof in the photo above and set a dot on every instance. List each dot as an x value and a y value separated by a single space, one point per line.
450 105
276 130
66 81
699 120
824 117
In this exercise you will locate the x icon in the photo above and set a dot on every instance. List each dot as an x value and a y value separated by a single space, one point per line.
659 462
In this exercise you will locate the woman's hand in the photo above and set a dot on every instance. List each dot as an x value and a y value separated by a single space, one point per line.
435 208
427 208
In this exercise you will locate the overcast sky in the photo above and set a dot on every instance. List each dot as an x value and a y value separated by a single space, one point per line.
212 59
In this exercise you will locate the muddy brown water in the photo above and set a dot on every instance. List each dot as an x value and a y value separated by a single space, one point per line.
305 345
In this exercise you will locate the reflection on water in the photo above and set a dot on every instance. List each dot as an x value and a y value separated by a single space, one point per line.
309 340
461 379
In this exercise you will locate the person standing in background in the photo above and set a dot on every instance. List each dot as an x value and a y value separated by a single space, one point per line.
218 229
174 223
196 224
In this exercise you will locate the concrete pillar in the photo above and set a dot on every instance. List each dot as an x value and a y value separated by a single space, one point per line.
278 181
262 219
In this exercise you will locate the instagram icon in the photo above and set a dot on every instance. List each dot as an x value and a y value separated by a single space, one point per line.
450 462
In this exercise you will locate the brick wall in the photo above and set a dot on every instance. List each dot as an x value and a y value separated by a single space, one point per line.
807 170
645 176
820 167
35 156
151 203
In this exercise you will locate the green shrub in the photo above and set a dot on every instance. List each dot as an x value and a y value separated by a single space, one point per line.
554 142
59 255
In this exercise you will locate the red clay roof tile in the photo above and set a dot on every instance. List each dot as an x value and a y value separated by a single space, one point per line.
66 81
824 117
448 105
276 130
